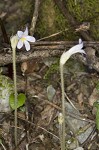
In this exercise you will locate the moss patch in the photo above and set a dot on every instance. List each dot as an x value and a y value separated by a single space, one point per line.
86 10
52 21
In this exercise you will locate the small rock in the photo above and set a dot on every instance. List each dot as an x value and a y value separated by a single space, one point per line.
6 88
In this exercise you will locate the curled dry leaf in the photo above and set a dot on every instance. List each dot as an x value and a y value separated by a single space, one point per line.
29 67
46 116
80 99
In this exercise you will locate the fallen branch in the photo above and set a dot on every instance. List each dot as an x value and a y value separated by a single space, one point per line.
43 49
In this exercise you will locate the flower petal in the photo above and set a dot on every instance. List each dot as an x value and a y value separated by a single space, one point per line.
20 44
75 49
30 38
26 32
20 34
27 45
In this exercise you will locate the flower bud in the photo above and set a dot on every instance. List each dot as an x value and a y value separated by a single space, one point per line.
14 41
60 118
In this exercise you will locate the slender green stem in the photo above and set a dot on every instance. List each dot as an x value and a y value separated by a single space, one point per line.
3 146
15 92
63 105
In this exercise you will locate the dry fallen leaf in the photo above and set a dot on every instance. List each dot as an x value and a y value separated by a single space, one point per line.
80 99
46 116
93 97
29 67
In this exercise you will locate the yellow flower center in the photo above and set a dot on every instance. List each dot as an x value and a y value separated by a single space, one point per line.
23 39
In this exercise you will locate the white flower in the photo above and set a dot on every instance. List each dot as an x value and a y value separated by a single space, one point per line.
24 38
75 49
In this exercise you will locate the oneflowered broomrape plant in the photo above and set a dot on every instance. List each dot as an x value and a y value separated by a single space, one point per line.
64 57
14 41
18 41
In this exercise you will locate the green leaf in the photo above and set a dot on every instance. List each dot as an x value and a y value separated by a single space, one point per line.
97 86
0 141
96 104
21 100
97 118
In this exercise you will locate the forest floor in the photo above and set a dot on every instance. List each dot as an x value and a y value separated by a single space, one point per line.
38 127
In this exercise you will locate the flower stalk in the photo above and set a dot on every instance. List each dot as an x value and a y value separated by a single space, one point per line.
63 106
22 38
63 59
14 41
60 120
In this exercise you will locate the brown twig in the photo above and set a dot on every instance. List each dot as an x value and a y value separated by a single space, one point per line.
52 35
26 121
35 16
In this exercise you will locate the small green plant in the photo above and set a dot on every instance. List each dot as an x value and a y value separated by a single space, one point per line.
64 57
14 41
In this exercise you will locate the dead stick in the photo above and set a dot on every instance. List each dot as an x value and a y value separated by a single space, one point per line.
35 16
44 49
